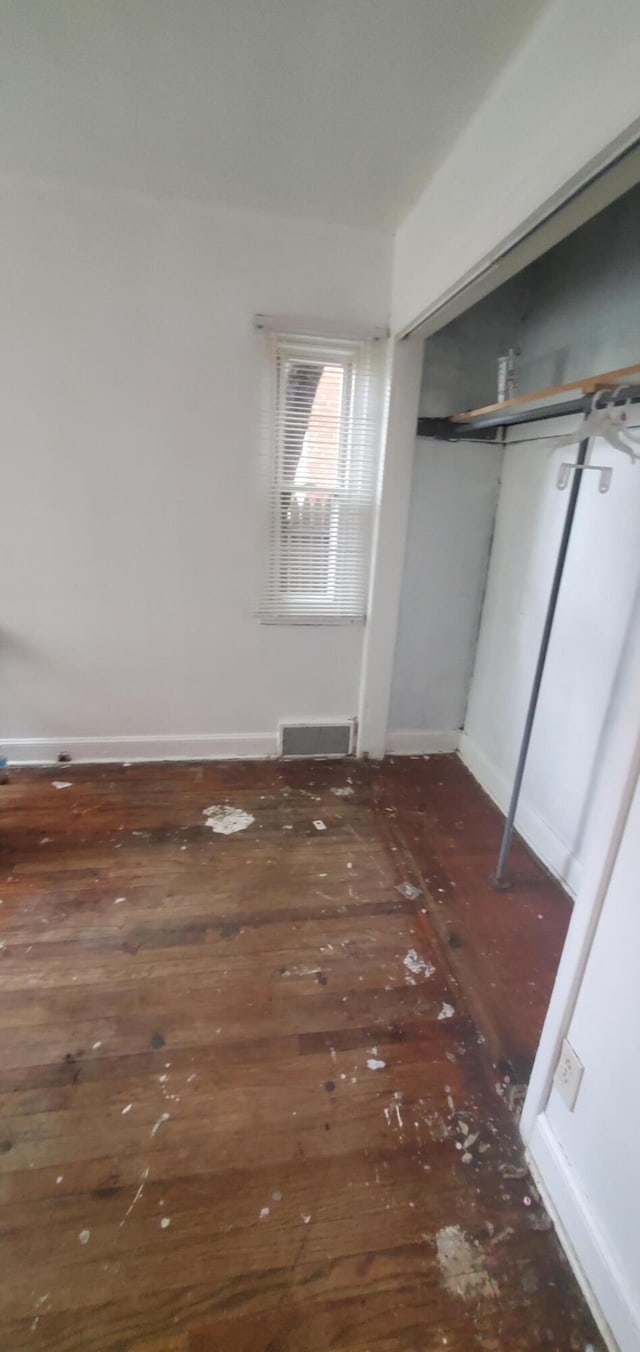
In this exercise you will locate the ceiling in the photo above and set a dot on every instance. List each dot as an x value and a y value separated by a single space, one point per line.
337 109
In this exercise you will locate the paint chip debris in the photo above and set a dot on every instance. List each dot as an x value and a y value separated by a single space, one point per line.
374 1064
394 1107
165 1222
300 971
118 900
225 821
164 1117
447 1011
409 891
320 826
306 1219
264 1213
417 965
127 1109
346 792
62 784
59 1178
84 1236
462 1266
513 1170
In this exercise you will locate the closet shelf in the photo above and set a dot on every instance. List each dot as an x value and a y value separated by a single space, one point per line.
588 385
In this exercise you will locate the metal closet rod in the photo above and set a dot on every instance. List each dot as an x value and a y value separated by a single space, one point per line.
500 879
631 393
444 429
477 430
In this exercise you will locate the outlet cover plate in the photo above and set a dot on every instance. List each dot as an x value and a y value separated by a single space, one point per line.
568 1074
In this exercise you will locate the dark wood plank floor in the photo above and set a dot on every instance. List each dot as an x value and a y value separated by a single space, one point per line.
504 946
245 1105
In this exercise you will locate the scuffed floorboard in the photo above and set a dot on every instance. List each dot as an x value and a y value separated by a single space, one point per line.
244 1104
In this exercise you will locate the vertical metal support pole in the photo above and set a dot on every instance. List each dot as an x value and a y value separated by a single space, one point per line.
499 879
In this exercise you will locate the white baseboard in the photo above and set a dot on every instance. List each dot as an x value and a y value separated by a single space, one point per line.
587 1249
554 853
232 746
418 742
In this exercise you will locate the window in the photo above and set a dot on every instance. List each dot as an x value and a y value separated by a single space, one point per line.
323 432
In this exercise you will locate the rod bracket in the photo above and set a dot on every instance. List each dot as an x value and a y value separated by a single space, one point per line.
566 469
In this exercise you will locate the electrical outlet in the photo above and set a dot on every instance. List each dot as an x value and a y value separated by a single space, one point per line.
568 1074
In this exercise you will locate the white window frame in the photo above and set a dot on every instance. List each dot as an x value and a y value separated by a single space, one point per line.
355 494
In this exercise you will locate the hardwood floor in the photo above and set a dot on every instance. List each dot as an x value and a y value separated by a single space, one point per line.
245 1105
504 946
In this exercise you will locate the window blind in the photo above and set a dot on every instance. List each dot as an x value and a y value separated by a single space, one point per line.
323 423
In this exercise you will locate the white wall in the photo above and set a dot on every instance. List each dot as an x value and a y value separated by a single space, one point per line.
453 502
597 1142
584 1161
129 406
388 548
568 92
454 494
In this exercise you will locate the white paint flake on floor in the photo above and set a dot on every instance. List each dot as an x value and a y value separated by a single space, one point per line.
419 966
301 971
225 821
447 1011
409 891
463 1267
393 1109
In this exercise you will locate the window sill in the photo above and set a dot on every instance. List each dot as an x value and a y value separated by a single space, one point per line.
312 619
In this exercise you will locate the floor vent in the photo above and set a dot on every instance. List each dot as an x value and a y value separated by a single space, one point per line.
315 739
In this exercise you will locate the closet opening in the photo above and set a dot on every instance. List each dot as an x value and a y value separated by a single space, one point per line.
523 551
